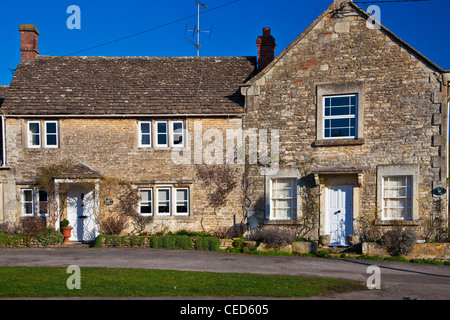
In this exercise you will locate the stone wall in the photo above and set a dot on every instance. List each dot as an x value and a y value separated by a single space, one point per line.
440 251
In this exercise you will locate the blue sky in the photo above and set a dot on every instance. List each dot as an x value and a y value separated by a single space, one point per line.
236 27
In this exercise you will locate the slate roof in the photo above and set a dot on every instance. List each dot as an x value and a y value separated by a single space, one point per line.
61 85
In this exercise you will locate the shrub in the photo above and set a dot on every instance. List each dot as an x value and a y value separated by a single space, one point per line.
207 243
32 226
398 242
114 224
50 237
276 237
171 241
12 240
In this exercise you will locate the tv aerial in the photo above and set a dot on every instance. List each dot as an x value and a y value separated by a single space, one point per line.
197 29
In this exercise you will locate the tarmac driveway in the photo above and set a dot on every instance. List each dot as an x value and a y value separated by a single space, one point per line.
399 281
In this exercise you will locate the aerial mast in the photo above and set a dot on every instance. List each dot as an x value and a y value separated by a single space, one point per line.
197 29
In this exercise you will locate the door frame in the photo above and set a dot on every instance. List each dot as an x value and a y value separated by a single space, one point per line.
96 209
348 213
326 179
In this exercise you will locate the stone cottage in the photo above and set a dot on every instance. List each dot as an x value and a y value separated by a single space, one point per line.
358 123
125 120
363 124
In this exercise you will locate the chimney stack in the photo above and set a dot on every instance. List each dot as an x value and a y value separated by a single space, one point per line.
28 42
266 49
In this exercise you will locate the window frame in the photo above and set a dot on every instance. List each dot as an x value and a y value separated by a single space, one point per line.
30 135
157 133
46 134
293 199
148 202
409 186
169 201
398 170
354 116
150 134
187 201
336 89
24 214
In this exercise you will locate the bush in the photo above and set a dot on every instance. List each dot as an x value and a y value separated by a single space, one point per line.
32 226
276 237
207 243
50 237
171 241
398 242
12 240
114 224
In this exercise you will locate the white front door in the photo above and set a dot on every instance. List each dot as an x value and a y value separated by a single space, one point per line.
339 214
80 213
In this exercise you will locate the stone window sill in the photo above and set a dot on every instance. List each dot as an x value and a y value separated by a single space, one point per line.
338 142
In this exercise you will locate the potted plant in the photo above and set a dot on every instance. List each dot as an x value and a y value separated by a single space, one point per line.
66 230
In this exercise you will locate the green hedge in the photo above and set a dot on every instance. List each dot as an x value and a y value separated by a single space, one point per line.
49 237
168 241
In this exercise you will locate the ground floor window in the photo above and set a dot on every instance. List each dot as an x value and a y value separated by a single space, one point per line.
34 202
397 197
283 198
168 201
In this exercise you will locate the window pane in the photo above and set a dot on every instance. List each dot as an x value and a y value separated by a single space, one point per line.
340 132
51 127
145 127
177 127
145 139
51 140
162 139
28 195
182 195
43 195
34 127
146 195
162 127
28 208
163 195
146 208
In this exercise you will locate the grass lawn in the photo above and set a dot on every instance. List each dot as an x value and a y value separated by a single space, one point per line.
115 282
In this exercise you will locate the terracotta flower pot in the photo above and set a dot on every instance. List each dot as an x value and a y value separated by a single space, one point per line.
67 232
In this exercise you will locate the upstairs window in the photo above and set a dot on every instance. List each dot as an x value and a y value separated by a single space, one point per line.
34 134
340 116
145 134
162 134
42 134
51 134
177 133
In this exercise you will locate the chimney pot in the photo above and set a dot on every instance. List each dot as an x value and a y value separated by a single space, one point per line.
28 42
266 49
